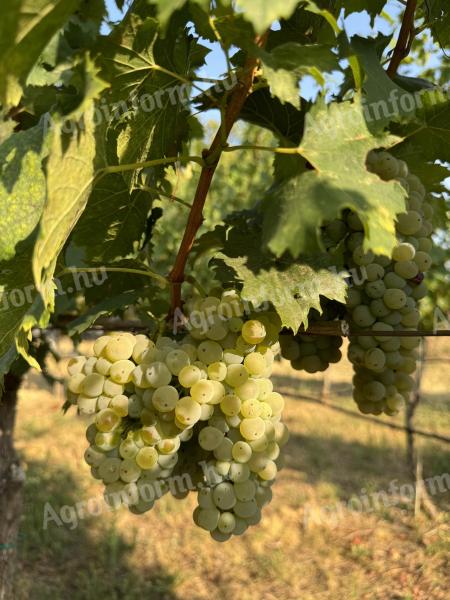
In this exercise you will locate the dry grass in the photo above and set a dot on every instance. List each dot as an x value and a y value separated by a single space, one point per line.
385 553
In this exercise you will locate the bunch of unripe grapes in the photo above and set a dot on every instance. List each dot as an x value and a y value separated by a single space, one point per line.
313 353
386 294
161 407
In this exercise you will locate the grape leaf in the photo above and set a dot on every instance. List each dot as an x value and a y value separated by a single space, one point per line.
139 64
287 63
265 110
21 307
264 12
385 101
293 287
22 187
116 215
374 7
25 29
70 175
336 143
427 138
106 307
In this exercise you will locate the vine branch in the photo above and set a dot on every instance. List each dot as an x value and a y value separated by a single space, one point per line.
211 159
405 38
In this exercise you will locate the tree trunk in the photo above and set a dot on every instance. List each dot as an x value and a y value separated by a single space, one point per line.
11 483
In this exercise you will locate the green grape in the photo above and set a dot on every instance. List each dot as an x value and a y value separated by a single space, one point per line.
208 518
128 448
189 375
150 434
245 509
269 472
375 289
250 409
107 420
354 299
248 390
210 438
165 398
202 391
245 491
210 352
146 457
362 316
230 405
207 411
118 347
276 402
157 374
217 371
392 280
239 472
425 244
188 411
374 272
362 258
374 359
394 298
407 269
252 429
236 375
223 451
253 332
119 404
87 405
176 360
411 318
100 344
395 402
109 470
129 470
226 523
241 452
224 496
232 356
112 389
423 260
255 364
94 456
374 391
403 252
409 223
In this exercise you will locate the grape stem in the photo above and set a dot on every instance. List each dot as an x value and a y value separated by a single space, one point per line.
405 38
211 159
146 273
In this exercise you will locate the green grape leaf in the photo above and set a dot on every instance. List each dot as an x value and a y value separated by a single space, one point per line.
21 307
70 175
118 218
284 120
151 75
167 7
336 143
264 12
25 30
22 187
385 101
106 307
427 137
374 7
293 287
287 63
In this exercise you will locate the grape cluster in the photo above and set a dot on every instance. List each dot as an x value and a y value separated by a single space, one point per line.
163 408
385 298
313 353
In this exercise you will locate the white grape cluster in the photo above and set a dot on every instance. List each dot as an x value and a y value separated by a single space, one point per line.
387 298
313 353
206 396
